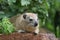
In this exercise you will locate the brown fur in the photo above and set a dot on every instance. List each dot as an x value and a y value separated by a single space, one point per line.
20 24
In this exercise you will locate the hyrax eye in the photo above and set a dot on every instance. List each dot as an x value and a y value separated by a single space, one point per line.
24 16
30 19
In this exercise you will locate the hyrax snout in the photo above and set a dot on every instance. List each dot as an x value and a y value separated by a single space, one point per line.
27 22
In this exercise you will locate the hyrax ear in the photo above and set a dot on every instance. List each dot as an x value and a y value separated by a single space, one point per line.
24 16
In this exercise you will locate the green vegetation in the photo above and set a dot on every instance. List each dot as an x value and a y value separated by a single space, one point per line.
44 8
6 26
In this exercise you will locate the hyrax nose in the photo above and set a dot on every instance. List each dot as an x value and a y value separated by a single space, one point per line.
35 24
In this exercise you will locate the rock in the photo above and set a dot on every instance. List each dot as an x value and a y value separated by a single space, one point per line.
28 36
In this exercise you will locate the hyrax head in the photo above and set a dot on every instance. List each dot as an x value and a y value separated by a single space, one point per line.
31 19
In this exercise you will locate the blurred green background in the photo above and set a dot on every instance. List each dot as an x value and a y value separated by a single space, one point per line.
45 9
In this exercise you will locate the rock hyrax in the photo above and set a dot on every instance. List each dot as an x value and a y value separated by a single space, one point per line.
27 22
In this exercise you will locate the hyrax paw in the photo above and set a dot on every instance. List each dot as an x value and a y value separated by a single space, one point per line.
34 33
21 31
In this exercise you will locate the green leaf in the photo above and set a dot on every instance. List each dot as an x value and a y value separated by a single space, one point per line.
34 8
40 1
1 12
47 5
25 2
0 0
7 26
10 2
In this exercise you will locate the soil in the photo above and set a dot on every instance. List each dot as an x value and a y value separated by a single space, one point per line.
28 36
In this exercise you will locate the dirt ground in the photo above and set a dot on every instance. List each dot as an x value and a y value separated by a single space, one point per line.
28 36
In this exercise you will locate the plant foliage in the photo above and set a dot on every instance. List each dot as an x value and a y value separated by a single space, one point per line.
44 8
6 26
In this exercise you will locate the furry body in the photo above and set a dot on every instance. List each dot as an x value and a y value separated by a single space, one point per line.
22 25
